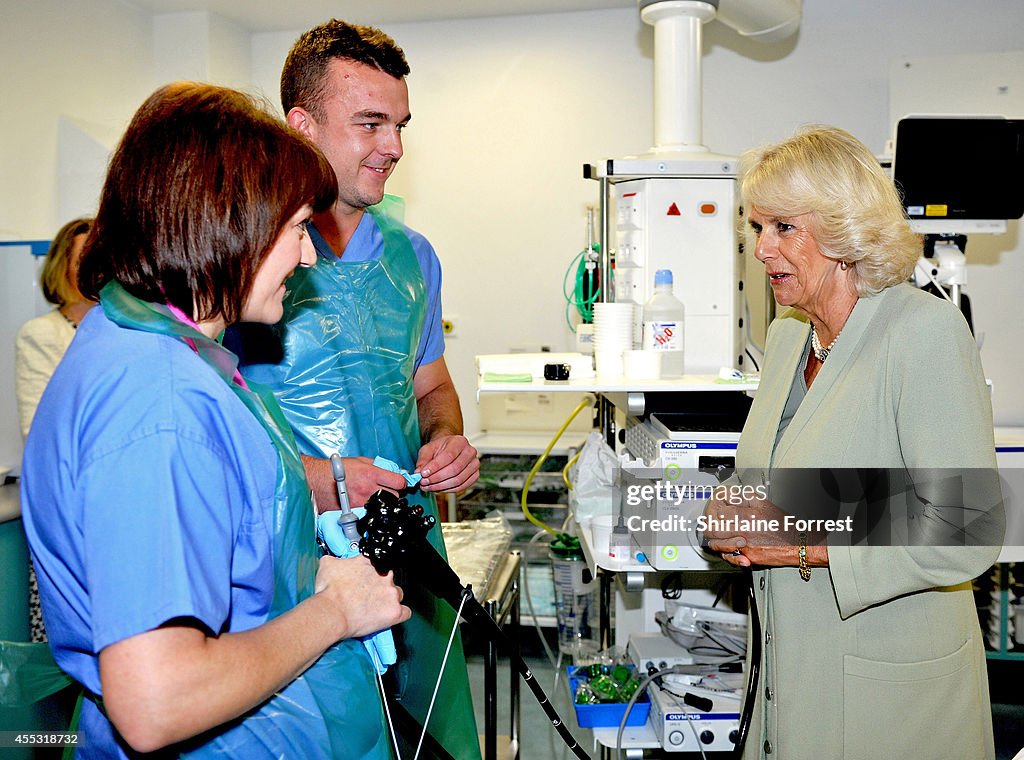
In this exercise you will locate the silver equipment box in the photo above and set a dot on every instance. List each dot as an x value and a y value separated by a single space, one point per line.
682 460
687 442
683 726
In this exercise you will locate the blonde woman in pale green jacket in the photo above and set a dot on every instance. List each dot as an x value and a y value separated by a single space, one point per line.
868 651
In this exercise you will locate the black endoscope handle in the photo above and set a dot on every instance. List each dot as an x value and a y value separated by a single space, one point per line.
395 535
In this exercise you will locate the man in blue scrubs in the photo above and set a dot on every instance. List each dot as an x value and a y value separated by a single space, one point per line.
357 363
343 86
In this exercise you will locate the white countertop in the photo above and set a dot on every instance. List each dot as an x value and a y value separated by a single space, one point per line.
1009 437
599 384
515 442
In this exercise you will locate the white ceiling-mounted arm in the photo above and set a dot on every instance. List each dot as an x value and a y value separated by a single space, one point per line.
678 101
678 32
761 20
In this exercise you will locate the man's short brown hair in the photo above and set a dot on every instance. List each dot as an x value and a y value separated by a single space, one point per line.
304 76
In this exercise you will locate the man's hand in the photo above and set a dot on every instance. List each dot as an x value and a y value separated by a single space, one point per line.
362 480
448 463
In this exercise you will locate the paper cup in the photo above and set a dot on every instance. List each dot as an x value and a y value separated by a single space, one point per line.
641 365
601 531
608 362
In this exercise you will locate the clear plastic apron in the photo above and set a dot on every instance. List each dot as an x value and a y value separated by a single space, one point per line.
340 686
348 348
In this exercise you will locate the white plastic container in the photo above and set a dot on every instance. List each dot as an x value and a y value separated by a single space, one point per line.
641 365
663 325
601 532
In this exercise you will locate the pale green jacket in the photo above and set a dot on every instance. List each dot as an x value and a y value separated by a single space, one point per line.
880 655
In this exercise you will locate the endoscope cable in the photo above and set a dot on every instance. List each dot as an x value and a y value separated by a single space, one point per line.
444 662
384 699
755 671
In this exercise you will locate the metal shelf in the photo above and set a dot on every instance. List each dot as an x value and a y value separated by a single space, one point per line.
621 385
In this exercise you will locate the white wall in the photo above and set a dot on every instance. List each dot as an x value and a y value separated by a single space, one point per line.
202 47
73 75
506 111
88 62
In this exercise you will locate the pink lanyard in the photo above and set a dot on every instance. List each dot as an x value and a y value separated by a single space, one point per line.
183 317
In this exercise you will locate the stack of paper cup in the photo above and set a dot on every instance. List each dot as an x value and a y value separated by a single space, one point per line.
613 334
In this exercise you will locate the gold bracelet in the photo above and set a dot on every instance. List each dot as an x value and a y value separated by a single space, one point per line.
805 569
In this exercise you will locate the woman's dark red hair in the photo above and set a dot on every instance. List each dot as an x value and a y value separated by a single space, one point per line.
197 193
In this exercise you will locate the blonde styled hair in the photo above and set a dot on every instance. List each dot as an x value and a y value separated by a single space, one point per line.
54 279
857 212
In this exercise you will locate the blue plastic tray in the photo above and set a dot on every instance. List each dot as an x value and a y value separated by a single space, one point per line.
610 714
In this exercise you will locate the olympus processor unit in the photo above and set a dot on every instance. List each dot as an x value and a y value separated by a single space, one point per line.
687 719
663 508
683 449
677 439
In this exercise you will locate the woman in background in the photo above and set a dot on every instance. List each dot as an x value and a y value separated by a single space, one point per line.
42 341
40 344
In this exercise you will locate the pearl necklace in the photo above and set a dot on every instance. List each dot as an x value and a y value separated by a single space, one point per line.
820 353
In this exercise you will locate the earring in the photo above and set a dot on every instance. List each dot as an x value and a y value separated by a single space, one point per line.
844 265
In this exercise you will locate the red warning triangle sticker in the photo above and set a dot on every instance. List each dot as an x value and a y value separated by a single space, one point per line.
673 210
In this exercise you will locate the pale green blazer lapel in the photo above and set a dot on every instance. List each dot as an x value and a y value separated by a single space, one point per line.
817 399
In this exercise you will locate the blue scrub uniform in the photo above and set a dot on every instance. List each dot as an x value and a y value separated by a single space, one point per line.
151 491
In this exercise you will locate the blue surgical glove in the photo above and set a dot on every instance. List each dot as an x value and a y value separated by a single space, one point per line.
381 645
411 478
330 532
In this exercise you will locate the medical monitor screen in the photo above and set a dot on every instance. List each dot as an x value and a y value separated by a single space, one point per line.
960 168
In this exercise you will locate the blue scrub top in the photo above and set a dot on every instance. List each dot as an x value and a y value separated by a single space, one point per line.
147 493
